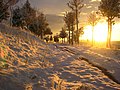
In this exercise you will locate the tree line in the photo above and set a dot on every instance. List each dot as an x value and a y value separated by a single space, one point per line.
106 8
35 21
27 18
72 22
4 13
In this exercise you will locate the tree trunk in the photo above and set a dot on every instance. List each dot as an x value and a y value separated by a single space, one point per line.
72 34
107 44
109 33
69 34
62 40
42 34
77 26
92 35
11 15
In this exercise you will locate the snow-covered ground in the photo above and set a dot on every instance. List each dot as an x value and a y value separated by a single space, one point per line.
75 70
106 58
35 65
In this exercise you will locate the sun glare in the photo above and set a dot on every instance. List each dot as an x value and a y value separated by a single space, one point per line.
100 32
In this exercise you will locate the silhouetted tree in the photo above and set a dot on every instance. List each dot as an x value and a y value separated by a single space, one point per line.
47 39
40 26
76 6
66 19
51 38
56 38
48 31
80 32
34 28
63 34
110 9
12 2
28 13
17 18
69 19
4 14
93 20
24 16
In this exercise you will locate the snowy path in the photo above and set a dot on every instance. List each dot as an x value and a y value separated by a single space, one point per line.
70 68
111 63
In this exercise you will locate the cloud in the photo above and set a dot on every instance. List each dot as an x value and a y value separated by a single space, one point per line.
95 0
83 13
89 7
61 14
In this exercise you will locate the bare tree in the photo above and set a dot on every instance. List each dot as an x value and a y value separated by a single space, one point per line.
93 20
110 9
76 6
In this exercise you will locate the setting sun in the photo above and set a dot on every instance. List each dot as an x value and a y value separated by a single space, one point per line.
100 32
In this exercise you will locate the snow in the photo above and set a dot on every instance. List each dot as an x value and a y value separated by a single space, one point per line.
106 58
35 65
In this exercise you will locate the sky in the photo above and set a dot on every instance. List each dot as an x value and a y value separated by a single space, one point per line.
58 6
54 11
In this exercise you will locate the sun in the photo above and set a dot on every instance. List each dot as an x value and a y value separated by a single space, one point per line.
100 32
